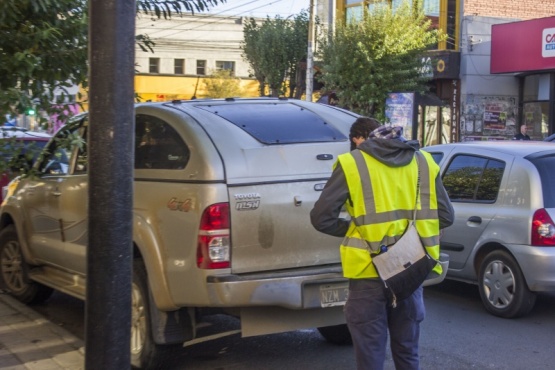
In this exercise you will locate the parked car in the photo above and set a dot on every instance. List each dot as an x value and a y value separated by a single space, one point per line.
503 237
25 144
222 195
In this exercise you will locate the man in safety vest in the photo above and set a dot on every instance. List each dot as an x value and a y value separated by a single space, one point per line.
377 183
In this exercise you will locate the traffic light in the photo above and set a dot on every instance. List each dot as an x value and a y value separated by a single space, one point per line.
30 112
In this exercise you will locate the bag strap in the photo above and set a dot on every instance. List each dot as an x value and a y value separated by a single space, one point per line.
418 162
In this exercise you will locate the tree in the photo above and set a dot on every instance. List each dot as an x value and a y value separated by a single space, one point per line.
251 32
367 59
221 84
44 49
274 50
297 50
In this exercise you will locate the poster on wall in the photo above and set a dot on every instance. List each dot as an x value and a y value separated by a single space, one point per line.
494 117
399 109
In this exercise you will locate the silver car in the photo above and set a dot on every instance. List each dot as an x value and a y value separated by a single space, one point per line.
503 237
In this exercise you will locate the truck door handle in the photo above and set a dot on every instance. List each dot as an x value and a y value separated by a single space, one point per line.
475 219
324 157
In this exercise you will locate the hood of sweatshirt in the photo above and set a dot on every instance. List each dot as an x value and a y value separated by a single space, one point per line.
392 152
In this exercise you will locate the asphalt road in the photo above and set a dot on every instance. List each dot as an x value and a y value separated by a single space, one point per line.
457 334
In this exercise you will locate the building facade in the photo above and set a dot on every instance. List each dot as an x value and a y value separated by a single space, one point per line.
187 50
477 104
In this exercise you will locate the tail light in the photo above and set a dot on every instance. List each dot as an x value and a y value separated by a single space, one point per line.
214 246
543 229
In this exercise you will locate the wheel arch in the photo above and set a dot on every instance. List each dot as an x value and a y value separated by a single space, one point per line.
487 249
147 248
7 219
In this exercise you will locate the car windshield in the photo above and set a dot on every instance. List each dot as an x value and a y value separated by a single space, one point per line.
545 167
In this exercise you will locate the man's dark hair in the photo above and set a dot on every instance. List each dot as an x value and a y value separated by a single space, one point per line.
363 126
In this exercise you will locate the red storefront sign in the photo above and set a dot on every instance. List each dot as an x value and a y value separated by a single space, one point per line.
523 46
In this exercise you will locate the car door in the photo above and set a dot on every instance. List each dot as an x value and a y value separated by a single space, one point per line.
473 181
73 205
40 197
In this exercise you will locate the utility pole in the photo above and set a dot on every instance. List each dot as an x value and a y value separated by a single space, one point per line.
110 199
310 53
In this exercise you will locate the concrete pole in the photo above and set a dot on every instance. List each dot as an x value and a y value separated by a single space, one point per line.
110 149
310 53
331 18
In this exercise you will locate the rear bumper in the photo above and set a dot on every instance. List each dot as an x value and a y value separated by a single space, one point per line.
537 265
288 289
294 289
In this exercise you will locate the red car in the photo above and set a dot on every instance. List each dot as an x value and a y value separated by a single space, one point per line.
17 139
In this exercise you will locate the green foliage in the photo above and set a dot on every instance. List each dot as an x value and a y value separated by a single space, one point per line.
221 84
382 53
165 9
44 49
17 156
274 50
251 32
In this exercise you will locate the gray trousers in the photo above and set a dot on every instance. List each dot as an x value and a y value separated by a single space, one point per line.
370 317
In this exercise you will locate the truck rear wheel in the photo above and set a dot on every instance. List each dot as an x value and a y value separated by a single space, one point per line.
145 353
14 271
337 334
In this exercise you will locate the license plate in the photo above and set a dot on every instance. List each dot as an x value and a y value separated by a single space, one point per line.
333 294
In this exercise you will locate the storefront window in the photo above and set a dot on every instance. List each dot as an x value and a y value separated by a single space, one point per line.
536 87
431 8
354 8
535 116
435 125
535 108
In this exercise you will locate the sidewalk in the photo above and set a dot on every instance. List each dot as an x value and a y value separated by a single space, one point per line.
30 342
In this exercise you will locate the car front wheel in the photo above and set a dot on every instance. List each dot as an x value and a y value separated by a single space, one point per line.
502 286
14 275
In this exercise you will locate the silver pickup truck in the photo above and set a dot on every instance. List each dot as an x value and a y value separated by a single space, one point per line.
222 195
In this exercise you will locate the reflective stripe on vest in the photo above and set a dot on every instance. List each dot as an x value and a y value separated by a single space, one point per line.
371 216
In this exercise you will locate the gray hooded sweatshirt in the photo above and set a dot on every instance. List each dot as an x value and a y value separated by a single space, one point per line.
392 152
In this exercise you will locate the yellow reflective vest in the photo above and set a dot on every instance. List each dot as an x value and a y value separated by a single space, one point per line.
381 207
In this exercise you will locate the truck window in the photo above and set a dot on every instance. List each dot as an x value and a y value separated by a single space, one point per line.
277 123
157 145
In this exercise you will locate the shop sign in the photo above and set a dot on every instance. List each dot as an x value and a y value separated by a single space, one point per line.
494 117
523 46
446 64
548 43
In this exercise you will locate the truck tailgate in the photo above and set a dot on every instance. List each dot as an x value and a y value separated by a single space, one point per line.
271 227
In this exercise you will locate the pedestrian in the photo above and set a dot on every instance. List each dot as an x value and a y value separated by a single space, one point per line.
522 135
377 183
361 129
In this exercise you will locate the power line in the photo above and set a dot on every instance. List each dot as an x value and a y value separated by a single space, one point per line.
222 18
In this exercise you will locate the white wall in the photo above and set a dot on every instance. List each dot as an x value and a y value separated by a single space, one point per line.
198 37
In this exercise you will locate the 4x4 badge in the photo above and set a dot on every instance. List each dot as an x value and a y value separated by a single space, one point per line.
182 206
